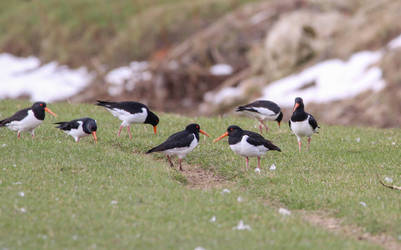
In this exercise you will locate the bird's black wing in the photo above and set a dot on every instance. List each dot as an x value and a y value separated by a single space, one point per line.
131 107
177 140
289 124
260 104
313 122
257 140
18 116
74 124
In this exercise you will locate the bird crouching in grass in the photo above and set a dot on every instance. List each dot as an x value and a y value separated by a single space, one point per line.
79 128
27 119
180 143
301 123
247 143
262 110
131 112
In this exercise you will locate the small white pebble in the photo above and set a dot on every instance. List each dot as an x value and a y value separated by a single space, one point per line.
199 248
22 209
75 237
358 139
17 183
239 199
213 219
362 203
114 202
388 179
22 194
272 167
257 170
15 165
4 145
225 191
242 226
284 211
393 143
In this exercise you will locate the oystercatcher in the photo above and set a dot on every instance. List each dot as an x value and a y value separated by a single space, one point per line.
27 119
79 128
180 143
131 112
247 143
302 123
262 110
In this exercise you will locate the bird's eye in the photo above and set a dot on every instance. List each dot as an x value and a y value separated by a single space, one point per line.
41 105
197 126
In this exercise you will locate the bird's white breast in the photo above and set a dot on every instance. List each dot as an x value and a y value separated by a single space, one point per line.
302 128
30 122
246 149
78 132
129 118
183 151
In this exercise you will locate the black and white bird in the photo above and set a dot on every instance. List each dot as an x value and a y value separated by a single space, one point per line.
27 119
301 123
131 112
262 110
79 128
247 143
180 143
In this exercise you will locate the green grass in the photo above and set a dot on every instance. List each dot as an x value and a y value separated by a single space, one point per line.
113 33
69 188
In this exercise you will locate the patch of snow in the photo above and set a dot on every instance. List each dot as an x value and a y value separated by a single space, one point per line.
239 199
22 194
225 191
284 211
362 203
113 202
242 226
48 82
224 94
330 80
3 145
221 70
272 167
22 210
213 219
257 170
388 179
17 183
393 143
358 139
395 43
126 77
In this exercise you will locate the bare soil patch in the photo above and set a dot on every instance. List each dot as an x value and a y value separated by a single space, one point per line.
200 178
321 219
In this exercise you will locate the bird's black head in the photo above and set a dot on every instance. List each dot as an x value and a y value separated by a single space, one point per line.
90 126
234 130
38 109
299 104
195 128
153 120
279 118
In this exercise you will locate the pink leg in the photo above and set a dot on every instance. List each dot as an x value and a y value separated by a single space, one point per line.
264 124
129 132
169 160
33 134
180 161
78 140
247 163
19 135
261 127
119 131
299 145
258 162
309 139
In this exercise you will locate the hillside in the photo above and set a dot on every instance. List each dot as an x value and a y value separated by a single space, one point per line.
60 194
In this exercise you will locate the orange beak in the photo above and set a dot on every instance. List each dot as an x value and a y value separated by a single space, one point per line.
50 112
203 132
221 137
279 124
155 129
94 136
295 106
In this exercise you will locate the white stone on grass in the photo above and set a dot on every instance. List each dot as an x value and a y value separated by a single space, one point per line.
114 202
388 179
22 194
362 203
242 226
225 191
213 219
284 211
272 167
257 170
239 199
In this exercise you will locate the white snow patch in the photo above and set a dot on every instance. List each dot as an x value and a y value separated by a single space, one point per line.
213 219
22 194
224 94
362 203
221 70
126 77
48 82
395 43
225 191
17 183
272 167
284 211
329 80
113 202
358 139
388 179
3 145
22 210
242 226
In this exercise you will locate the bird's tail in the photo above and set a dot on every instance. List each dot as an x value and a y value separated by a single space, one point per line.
61 125
244 108
152 150
3 123
103 103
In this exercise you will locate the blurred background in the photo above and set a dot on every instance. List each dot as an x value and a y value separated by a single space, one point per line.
204 57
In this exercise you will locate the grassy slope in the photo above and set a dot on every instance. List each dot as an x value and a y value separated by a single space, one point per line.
69 188
111 32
